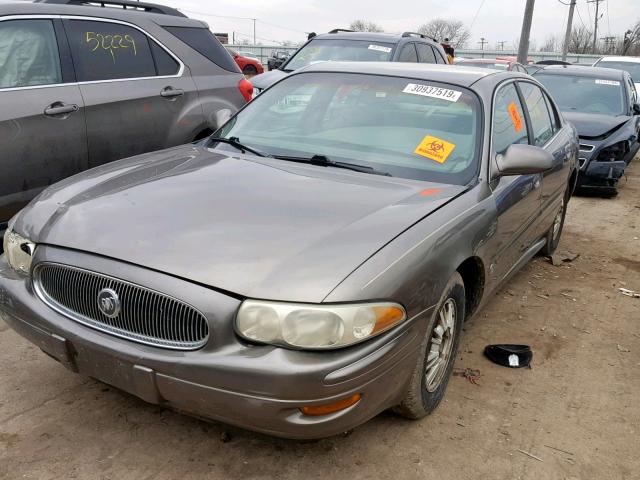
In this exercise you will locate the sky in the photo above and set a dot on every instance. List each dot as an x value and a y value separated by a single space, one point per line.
496 20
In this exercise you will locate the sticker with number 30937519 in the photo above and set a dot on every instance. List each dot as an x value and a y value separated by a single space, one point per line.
431 91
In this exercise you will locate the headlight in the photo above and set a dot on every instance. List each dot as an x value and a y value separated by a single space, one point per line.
19 251
315 327
614 153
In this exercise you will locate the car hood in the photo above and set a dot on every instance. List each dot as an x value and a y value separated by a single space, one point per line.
266 79
593 125
260 228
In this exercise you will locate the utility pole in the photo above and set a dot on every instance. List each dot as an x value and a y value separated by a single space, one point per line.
523 50
482 43
609 43
254 31
567 35
595 29
501 45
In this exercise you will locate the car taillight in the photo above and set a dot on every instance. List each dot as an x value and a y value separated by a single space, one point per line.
246 89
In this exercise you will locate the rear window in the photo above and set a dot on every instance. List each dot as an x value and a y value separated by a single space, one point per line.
206 44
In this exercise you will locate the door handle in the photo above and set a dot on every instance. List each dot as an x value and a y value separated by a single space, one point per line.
59 108
171 92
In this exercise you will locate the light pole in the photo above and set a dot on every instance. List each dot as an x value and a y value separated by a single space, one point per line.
523 48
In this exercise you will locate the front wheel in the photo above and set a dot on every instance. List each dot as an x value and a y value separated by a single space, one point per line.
437 353
555 232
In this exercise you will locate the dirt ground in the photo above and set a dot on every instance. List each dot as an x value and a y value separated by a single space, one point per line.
576 413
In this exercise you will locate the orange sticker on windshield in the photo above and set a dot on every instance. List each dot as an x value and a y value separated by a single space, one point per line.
435 149
515 116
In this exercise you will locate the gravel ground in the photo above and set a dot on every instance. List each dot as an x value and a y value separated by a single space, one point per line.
574 415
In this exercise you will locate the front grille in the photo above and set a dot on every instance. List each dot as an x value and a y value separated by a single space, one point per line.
143 315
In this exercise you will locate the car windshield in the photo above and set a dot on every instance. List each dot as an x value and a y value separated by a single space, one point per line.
326 50
407 128
493 66
631 67
574 93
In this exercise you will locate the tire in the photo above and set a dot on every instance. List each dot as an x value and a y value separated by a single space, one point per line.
250 70
422 395
555 232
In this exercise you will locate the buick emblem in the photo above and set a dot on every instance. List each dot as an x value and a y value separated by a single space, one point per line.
109 303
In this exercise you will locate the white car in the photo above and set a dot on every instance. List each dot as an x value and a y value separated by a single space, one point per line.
628 64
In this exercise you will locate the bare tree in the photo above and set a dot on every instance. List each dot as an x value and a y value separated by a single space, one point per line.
551 44
441 28
365 26
630 45
581 40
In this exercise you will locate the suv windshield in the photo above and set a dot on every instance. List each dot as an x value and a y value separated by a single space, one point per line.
631 67
575 93
325 50
408 128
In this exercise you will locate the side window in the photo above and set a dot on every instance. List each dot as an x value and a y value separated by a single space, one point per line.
541 124
408 54
425 53
633 94
165 63
555 118
109 51
509 125
28 54
439 58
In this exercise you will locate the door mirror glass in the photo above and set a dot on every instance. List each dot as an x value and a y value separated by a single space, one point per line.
523 160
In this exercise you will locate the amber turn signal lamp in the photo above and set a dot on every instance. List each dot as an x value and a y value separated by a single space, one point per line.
320 410
387 317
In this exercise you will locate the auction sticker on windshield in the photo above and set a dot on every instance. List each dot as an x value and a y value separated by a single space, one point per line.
431 91
615 83
379 48
435 149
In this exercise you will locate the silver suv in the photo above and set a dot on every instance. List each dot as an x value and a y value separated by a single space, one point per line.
83 85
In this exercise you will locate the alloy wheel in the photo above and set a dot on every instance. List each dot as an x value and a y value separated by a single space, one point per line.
440 345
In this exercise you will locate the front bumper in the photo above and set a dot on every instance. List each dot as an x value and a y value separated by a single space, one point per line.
259 388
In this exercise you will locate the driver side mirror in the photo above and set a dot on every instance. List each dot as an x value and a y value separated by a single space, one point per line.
636 108
523 160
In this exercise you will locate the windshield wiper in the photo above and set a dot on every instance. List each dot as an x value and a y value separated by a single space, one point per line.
324 161
235 142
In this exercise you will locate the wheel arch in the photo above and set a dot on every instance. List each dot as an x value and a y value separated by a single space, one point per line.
473 275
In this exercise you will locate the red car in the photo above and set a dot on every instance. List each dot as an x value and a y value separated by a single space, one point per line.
494 63
248 65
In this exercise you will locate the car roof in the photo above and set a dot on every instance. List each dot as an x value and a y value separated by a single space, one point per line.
371 37
463 76
113 13
573 70
486 60
620 59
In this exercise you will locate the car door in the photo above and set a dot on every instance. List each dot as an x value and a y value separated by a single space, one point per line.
517 198
42 119
547 133
138 95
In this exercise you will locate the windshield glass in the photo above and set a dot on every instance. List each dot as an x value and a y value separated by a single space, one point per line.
585 94
632 68
408 128
493 66
325 50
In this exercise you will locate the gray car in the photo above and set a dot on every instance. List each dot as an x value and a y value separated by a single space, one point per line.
81 86
310 265
341 45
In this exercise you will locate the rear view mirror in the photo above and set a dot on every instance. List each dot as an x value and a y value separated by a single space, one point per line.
524 160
